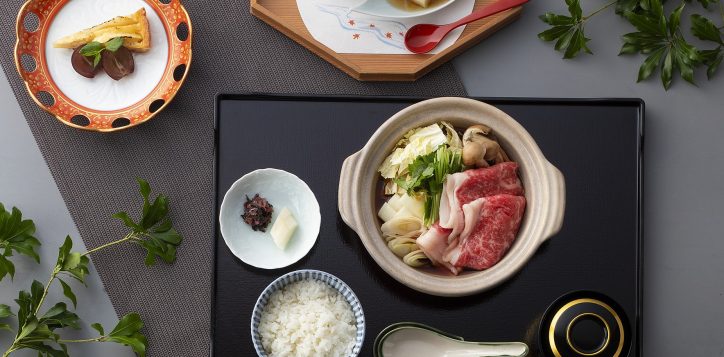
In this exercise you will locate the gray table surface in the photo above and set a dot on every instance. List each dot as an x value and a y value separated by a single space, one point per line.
684 256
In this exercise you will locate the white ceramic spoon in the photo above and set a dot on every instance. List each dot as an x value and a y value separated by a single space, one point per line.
384 8
418 340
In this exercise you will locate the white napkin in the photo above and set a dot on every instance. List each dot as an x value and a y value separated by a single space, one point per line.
332 23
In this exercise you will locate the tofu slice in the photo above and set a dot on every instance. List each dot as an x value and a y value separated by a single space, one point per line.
283 228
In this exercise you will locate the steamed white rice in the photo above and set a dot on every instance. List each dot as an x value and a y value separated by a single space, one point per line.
307 319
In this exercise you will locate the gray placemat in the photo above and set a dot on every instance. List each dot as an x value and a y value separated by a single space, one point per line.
233 53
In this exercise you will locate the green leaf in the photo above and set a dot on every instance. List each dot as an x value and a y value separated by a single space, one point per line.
127 332
154 231
556 20
46 350
704 29
123 216
68 292
624 6
58 316
73 264
128 325
567 31
660 38
5 311
114 44
675 20
706 3
98 327
145 190
92 49
96 60
714 62
137 342
574 7
650 64
666 70
553 33
16 234
6 268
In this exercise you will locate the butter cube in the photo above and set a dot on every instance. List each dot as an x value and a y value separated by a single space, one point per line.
283 228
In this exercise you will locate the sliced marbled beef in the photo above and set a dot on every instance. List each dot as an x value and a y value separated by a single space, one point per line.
467 186
491 224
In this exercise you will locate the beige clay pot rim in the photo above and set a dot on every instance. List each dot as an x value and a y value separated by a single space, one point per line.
543 182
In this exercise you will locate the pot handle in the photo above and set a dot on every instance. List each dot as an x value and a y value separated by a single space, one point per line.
345 194
558 201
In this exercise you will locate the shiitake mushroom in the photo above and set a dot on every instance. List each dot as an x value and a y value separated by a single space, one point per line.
119 63
83 65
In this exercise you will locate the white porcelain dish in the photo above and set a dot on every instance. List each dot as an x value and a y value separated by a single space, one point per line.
281 189
308 274
384 8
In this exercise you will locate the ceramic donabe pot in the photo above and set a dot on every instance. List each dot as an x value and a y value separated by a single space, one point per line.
544 191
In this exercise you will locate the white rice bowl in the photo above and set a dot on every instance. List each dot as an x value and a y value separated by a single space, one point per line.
308 313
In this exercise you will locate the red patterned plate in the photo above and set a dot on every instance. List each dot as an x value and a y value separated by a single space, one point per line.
100 103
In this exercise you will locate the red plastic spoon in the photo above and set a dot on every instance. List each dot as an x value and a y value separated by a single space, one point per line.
423 38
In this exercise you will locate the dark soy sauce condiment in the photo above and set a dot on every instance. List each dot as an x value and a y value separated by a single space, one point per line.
408 5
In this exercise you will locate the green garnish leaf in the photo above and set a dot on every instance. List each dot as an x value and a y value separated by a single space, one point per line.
92 48
567 31
16 234
98 327
95 49
114 44
127 332
660 38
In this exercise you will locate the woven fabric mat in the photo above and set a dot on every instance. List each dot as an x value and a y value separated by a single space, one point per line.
233 53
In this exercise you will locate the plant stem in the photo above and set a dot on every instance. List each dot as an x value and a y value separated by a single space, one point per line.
604 7
97 339
11 350
128 237
47 286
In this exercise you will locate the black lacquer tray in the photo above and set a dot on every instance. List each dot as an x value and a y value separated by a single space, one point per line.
596 143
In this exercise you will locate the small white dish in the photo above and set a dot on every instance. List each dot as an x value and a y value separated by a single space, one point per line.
384 8
281 189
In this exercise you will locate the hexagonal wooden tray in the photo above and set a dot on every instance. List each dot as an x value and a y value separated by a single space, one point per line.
284 16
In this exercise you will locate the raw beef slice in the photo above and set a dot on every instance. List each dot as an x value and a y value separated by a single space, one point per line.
491 224
467 186
433 243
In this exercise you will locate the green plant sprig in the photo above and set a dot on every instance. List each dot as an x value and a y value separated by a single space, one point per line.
37 331
95 49
658 37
